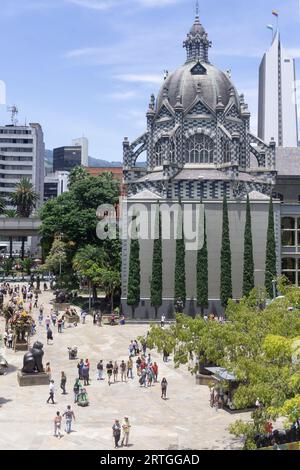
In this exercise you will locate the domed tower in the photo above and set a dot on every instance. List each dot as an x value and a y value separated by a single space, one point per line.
198 131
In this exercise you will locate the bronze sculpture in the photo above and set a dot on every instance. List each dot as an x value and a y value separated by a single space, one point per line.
33 359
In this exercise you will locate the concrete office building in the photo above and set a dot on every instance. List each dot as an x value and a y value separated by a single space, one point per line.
84 144
277 110
22 153
55 184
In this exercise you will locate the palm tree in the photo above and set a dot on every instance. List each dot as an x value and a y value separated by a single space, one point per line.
24 198
2 205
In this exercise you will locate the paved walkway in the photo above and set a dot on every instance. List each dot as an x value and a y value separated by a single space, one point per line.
184 421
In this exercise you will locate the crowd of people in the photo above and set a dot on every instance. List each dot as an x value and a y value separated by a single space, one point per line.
138 364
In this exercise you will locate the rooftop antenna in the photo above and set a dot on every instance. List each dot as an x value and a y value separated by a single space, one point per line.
197 7
14 113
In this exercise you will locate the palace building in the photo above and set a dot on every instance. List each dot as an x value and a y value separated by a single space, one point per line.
199 147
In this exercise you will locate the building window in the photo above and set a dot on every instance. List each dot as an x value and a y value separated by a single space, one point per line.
162 151
199 149
290 268
226 151
289 231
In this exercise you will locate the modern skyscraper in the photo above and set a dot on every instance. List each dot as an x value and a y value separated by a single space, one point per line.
66 158
84 144
277 108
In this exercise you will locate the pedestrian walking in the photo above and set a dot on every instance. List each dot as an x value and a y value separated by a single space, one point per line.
85 375
48 369
129 368
10 339
57 425
49 335
125 431
76 389
59 325
109 371
116 371
155 371
100 370
116 432
47 322
123 371
51 392
5 335
164 386
69 416
63 382
79 367
162 321
83 316
35 305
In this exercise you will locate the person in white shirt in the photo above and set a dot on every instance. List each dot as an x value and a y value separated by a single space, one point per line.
51 392
125 431
162 321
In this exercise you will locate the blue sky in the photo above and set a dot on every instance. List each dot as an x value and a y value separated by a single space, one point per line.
88 67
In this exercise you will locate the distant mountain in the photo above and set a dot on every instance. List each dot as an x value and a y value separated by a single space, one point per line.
98 163
93 162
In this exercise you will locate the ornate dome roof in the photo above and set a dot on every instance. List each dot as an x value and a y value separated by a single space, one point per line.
198 79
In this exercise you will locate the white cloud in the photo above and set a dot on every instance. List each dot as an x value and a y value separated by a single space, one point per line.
95 4
106 4
123 95
141 78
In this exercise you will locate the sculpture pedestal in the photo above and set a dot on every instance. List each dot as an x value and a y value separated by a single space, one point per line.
30 380
72 319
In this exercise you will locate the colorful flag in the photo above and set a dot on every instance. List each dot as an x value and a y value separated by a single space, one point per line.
275 13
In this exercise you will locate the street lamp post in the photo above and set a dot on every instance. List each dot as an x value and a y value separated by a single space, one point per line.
274 281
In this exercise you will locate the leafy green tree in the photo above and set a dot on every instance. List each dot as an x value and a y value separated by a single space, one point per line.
157 275
110 281
74 213
7 266
271 268
27 265
24 198
259 346
57 259
202 273
134 274
180 279
226 273
88 262
78 173
248 276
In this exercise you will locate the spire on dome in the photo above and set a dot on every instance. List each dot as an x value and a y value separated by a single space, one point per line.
197 43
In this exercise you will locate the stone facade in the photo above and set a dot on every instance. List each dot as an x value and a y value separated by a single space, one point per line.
199 146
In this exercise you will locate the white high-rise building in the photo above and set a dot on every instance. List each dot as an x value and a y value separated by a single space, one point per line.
22 155
84 144
277 108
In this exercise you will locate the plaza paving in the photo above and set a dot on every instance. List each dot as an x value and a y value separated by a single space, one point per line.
184 421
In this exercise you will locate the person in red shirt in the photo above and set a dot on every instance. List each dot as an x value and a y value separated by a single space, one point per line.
155 371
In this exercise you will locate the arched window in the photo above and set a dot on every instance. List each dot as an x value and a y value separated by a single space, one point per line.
199 149
164 150
226 151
